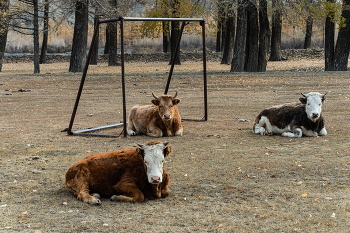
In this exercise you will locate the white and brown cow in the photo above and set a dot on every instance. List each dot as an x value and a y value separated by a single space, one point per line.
123 175
293 119
157 120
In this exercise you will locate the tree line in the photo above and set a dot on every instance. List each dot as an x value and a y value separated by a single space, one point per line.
248 32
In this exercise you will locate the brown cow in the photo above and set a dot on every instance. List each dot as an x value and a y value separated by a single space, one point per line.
158 120
123 175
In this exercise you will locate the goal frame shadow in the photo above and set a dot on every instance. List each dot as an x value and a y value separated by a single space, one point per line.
121 20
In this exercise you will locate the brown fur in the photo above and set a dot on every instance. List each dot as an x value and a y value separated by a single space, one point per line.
120 175
158 120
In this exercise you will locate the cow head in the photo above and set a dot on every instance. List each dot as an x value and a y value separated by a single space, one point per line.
153 154
165 105
313 104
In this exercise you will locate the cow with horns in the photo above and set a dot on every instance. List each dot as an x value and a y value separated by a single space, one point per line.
293 119
124 175
157 120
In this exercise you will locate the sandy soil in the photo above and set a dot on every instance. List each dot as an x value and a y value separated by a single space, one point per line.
224 178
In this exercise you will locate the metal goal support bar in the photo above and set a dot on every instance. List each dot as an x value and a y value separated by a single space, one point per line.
121 20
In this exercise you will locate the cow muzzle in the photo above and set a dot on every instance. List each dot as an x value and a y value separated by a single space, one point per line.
155 180
315 116
167 117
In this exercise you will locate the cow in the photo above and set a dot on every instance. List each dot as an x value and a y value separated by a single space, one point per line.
158 120
130 175
293 119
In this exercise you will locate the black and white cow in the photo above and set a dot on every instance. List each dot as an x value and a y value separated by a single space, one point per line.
293 119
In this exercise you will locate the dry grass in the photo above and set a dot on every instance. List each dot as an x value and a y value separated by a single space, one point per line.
224 178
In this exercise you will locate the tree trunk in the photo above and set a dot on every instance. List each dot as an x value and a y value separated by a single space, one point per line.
94 53
45 33
78 55
112 47
264 36
106 50
112 50
342 47
252 38
220 26
238 60
308 32
4 25
275 54
175 35
329 41
175 32
166 37
230 29
36 37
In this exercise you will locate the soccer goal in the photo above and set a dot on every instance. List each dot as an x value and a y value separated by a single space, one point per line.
121 20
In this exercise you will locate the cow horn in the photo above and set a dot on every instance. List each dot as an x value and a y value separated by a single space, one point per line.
156 97
175 94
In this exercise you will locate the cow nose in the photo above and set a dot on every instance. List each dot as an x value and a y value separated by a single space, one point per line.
314 115
166 116
155 179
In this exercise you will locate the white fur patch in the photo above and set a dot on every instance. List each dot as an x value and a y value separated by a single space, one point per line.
154 160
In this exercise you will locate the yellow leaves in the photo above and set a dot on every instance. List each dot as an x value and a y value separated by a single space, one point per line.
304 195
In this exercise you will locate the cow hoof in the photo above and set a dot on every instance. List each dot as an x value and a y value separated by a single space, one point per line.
132 133
96 202
96 195
113 198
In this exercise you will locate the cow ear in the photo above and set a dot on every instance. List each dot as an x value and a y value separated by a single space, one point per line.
176 101
302 100
140 151
167 149
155 102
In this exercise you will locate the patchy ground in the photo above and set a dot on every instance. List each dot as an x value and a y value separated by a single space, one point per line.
224 178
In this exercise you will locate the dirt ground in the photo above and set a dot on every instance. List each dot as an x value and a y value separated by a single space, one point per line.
224 178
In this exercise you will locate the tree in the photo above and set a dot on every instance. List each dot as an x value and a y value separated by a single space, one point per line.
264 36
230 29
79 44
175 33
45 33
253 37
4 26
173 9
342 47
36 37
239 56
329 38
276 35
308 29
221 4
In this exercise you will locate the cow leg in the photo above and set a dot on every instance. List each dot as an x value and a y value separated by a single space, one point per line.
263 127
79 187
296 133
131 128
154 131
130 190
179 132
323 132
